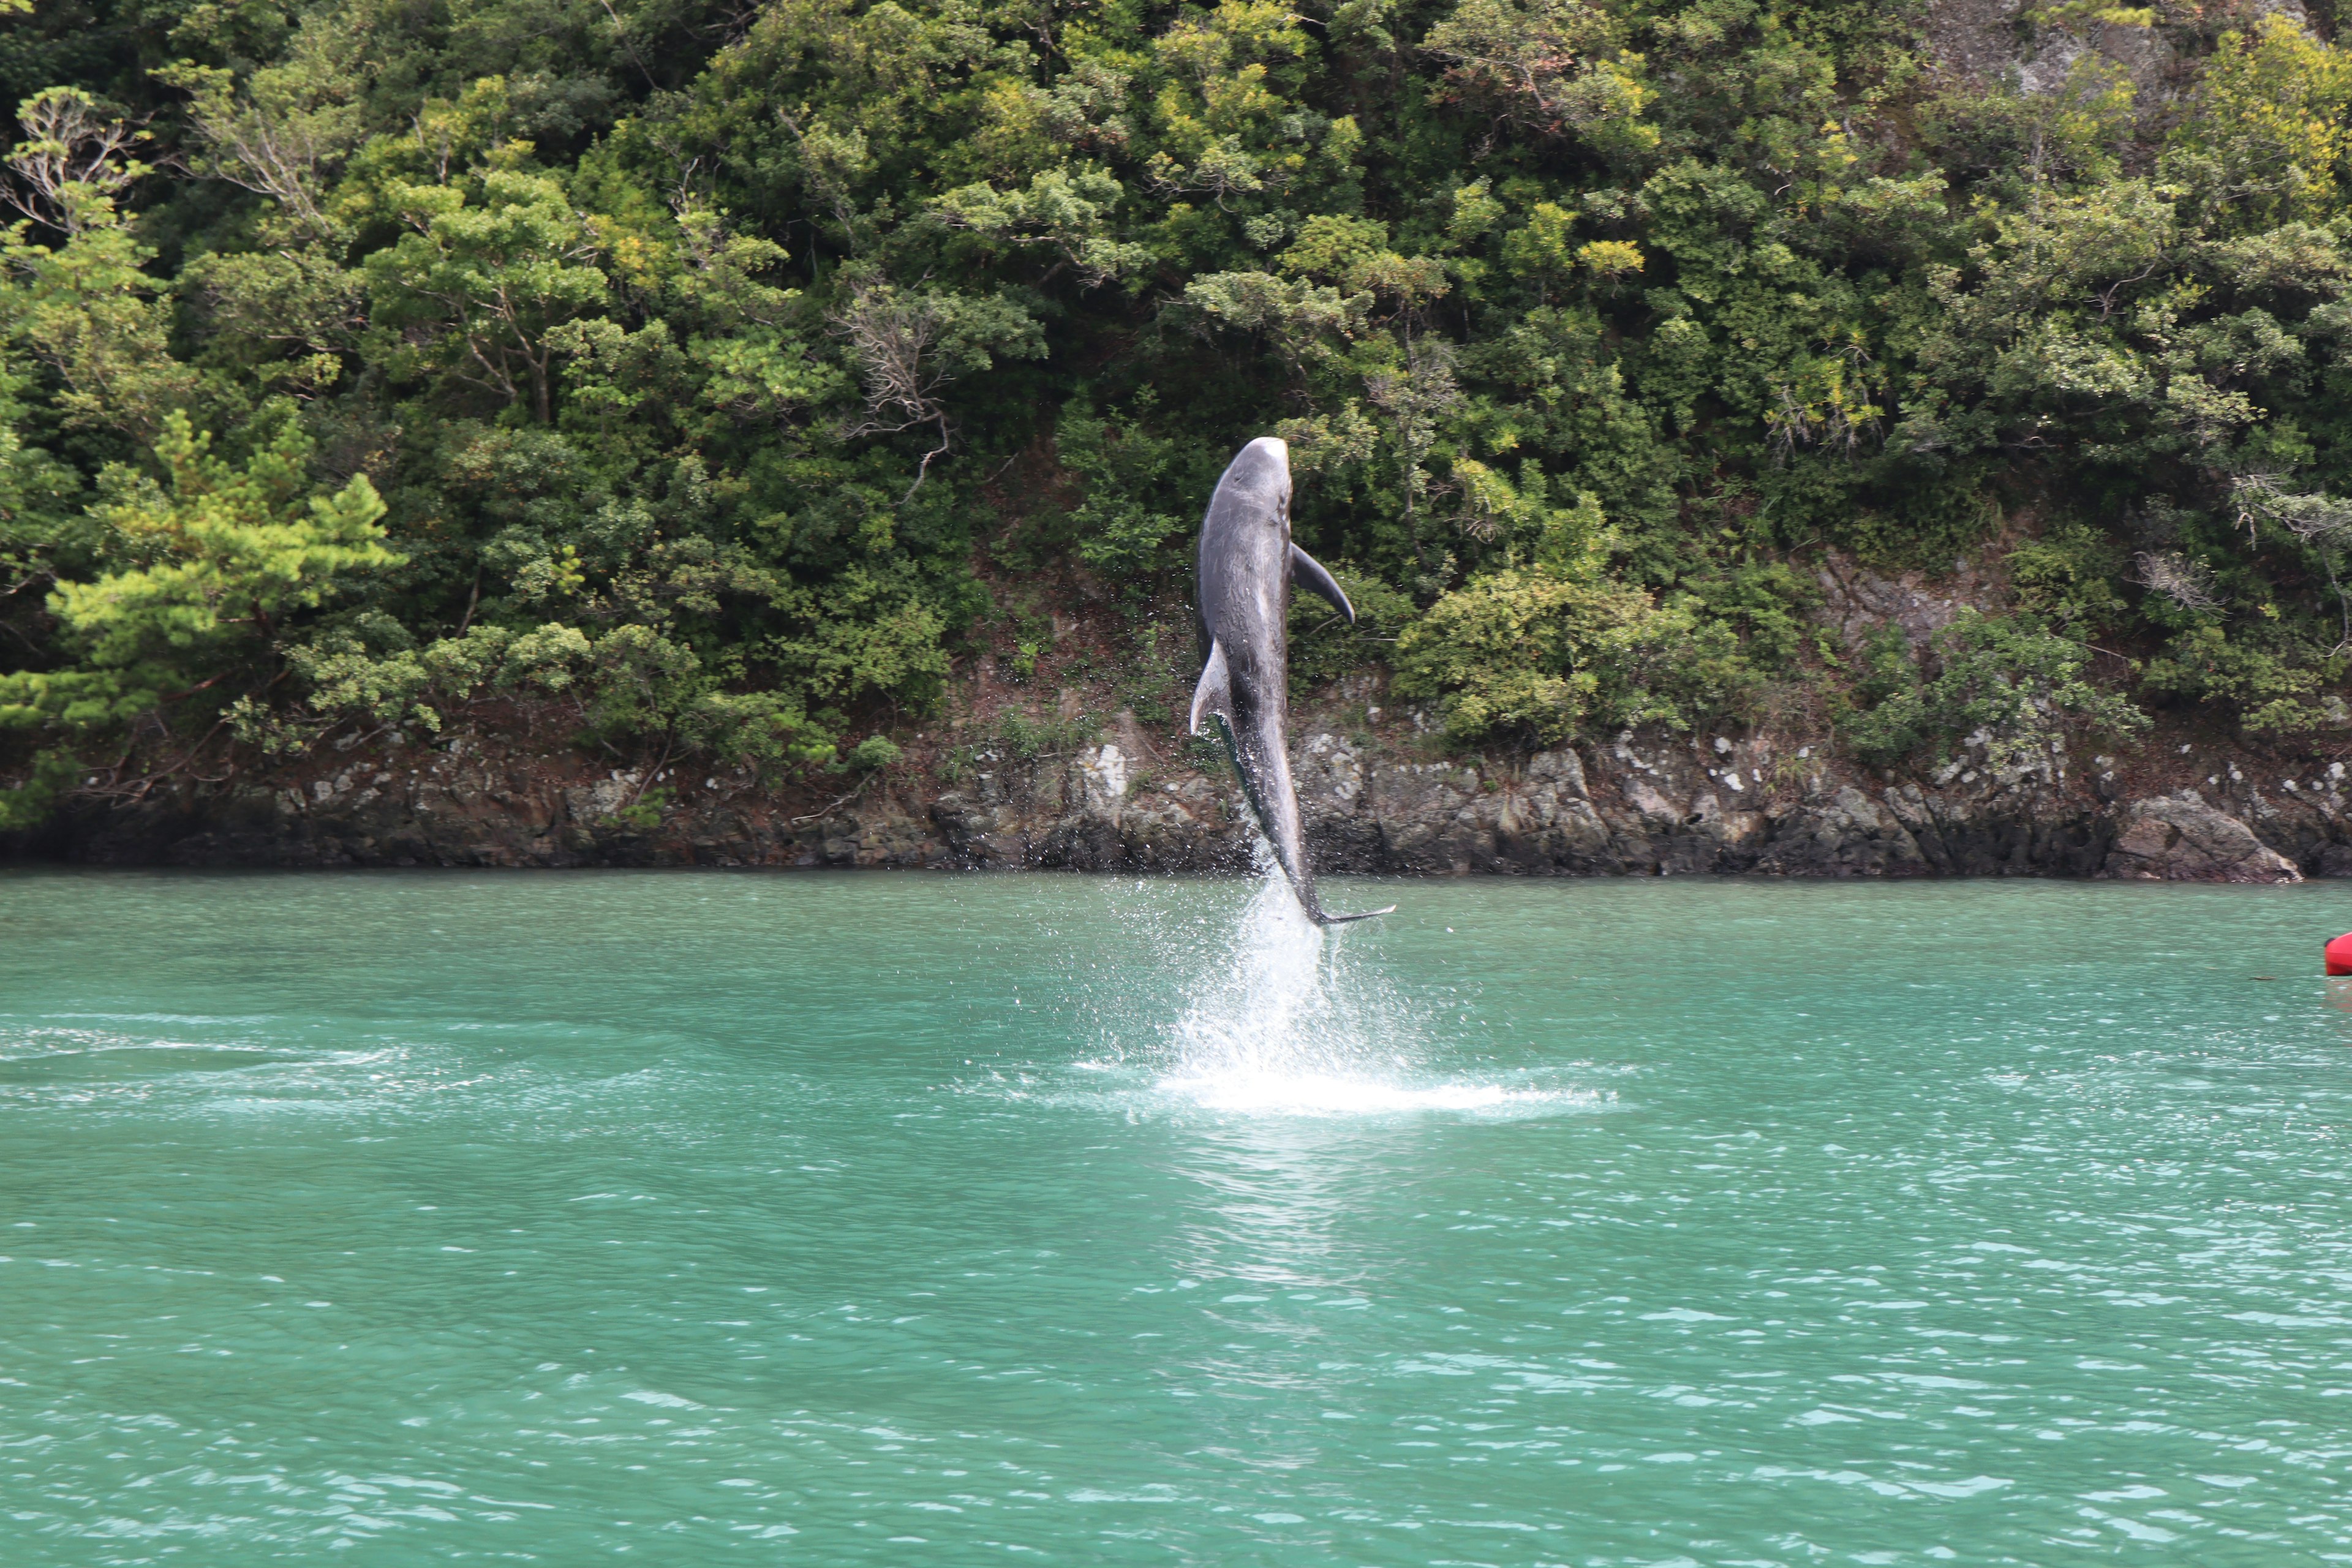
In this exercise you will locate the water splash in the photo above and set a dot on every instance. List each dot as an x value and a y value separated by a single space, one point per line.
1277 996
1285 1018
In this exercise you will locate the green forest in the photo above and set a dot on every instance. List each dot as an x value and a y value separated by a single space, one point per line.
710 378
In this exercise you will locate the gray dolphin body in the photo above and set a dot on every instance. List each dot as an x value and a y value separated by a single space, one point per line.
1247 567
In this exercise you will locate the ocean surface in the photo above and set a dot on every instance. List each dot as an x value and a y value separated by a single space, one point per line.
699 1217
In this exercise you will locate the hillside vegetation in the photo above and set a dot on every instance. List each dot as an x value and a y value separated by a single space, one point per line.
708 377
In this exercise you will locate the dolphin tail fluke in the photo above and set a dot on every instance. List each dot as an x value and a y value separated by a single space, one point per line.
1215 692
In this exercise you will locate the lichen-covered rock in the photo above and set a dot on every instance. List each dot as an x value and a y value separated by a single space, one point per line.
1097 783
2180 838
980 833
1846 835
2308 820
1336 805
1993 40
1547 822
1640 805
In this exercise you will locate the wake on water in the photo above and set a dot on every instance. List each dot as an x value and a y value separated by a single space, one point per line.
1280 1018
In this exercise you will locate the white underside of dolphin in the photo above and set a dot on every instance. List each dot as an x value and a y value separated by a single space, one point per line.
1247 568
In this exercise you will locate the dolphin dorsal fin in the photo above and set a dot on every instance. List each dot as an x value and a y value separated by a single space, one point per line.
1215 692
1307 573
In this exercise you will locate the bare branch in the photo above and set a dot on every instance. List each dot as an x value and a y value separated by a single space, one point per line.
72 154
892 338
2317 519
2187 584
272 150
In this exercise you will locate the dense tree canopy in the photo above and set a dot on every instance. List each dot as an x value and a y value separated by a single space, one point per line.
721 369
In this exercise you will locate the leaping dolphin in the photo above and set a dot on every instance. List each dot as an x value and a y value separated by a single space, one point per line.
1247 567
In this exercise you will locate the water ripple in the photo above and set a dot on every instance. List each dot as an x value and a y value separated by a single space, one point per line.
901 1219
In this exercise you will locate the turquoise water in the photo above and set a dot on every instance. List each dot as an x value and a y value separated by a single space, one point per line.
899 1219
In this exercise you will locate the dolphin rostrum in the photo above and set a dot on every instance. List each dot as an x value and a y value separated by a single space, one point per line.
1247 567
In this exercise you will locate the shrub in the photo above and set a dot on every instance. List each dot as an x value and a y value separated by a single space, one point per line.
1543 652
2006 682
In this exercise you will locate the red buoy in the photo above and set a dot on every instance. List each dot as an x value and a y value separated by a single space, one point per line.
2339 955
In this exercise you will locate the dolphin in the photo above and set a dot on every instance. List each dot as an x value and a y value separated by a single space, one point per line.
1247 567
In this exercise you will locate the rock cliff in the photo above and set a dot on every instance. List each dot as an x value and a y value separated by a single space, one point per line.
1376 800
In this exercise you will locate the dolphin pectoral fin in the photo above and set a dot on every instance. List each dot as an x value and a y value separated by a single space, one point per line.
1215 692
1331 920
1307 573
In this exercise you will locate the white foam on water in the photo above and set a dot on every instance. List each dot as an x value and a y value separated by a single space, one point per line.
1284 1019
184 1074
1325 1094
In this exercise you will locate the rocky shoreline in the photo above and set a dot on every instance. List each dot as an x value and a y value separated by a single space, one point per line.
1640 805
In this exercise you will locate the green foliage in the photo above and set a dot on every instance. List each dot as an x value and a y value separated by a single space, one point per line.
482 283
644 813
1015 736
30 802
2008 683
687 348
1768 607
1131 525
1323 646
2068 576
1543 652
2280 689
192 574
2269 131
872 752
